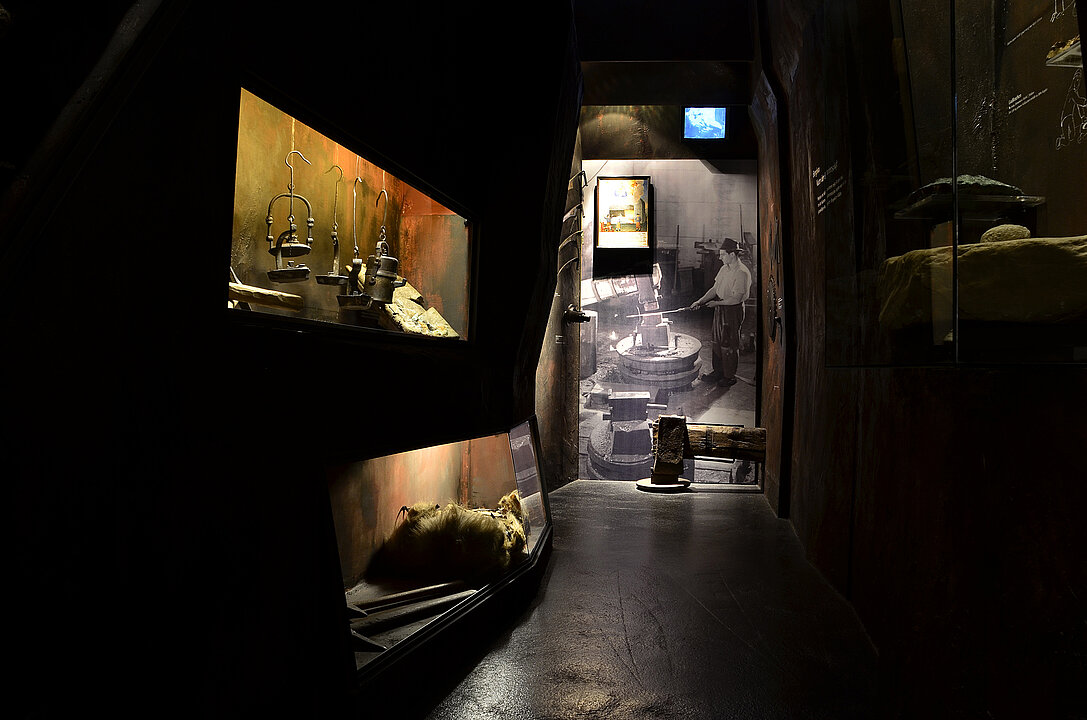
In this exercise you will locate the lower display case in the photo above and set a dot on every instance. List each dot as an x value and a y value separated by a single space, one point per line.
434 544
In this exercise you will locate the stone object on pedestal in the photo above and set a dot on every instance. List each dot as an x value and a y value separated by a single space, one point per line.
670 447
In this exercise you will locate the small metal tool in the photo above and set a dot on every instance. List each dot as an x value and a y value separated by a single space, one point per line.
354 298
334 277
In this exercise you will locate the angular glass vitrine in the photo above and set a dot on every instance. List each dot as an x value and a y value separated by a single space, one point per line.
958 131
425 536
324 235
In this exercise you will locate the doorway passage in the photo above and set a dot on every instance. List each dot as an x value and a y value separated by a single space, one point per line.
623 385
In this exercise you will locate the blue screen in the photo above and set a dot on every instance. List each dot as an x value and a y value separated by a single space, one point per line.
704 123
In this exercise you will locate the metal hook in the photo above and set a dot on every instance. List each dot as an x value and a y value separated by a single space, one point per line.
354 202
336 194
290 186
386 210
383 246
287 161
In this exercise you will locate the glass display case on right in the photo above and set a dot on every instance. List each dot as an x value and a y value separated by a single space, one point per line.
966 240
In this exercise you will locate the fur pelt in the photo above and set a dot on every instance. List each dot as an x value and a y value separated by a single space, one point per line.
452 543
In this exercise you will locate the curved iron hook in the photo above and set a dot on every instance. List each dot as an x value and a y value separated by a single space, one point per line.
287 162
354 202
336 194
290 185
386 210
382 244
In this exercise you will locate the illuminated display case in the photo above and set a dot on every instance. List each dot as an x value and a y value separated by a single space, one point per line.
248 387
355 287
966 237
323 234
425 536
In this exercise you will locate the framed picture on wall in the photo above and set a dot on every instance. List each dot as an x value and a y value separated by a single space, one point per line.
622 226
623 212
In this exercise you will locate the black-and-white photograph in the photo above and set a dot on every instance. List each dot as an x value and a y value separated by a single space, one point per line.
680 340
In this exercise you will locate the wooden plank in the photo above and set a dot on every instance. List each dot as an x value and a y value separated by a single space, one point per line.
369 604
721 441
361 643
262 296
736 443
381 620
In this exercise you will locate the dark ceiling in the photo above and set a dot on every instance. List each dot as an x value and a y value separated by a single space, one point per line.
666 53
633 52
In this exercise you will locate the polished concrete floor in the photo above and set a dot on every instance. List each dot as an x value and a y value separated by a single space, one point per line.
694 605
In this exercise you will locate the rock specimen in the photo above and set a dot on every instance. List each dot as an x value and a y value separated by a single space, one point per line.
1005 232
410 313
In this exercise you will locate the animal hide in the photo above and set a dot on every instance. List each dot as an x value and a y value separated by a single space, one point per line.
453 543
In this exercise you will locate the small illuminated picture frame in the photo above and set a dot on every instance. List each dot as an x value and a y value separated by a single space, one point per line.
623 213
705 123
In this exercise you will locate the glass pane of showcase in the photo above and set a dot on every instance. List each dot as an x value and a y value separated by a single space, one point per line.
323 234
950 185
419 532
884 147
1022 262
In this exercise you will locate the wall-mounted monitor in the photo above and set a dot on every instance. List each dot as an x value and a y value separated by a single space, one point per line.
705 123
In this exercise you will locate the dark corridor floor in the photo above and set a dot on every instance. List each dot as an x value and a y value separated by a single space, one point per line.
696 605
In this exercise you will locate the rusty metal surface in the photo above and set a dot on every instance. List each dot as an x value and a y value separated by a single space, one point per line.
430 241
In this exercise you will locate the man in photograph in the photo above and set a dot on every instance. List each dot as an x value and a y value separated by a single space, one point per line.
731 287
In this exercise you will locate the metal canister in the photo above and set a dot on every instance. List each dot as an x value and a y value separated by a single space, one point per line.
382 278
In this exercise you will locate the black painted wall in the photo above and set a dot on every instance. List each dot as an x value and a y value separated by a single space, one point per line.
163 567
943 502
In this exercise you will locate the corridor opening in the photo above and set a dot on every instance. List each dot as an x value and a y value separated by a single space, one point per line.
648 348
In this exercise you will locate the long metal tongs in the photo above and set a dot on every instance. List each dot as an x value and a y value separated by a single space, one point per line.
354 298
334 277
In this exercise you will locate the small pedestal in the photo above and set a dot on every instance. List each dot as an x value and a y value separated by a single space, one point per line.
649 485
670 447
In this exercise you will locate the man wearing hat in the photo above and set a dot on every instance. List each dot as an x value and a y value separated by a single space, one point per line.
730 289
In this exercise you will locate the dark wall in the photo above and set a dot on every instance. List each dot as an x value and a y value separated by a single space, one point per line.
632 132
696 30
62 58
944 503
201 572
557 386
1010 103
774 376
